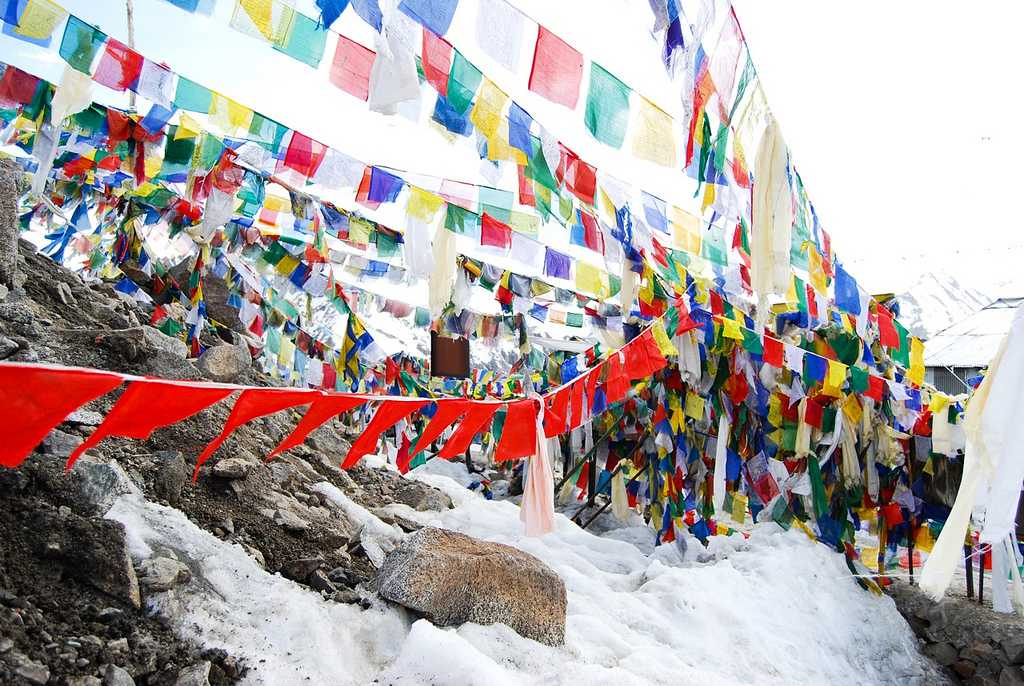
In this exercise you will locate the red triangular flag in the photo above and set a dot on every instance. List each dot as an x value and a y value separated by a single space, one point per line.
519 436
318 413
477 416
386 416
448 412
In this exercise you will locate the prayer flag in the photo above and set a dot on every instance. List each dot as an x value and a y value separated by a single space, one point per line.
330 10
435 15
33 21
607 113
350 69
463 81
499 31
556 264
847 292
437 61
654 137
495 233
80 44
557 69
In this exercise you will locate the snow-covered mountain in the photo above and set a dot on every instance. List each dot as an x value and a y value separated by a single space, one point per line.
935 301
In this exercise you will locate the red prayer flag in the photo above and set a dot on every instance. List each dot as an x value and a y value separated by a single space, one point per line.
813 414
350 70
304 154
37 399
876 388
580 177
576 404
386 416
557 69
519 436
474 421
318 413
592 236
887 334
253 403
773 351
617 384
555 413
448 412
17 87
120 66
495 233
526 194
146 406
437 61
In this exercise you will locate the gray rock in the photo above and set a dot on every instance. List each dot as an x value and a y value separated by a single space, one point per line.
1014 649
86 680
301 568
101 482
155 339
319 581
85 418
195 675
7 347
62 292
115 676
232 468
1011 676
290 521
225 363
452 579
171 475
943 653
420 496
30 671
93 551
10 173
163 574
60 443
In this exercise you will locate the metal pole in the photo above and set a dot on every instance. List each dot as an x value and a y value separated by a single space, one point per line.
981 574
568 474
969 571
592 479
130 13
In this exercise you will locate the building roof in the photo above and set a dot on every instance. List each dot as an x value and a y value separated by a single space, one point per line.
974 340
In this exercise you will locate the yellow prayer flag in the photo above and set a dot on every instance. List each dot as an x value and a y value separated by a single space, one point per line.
591 280
815 269
852 408
423 204
869 558
739 508
939 402
228 115
916 371
694 406
486 112
287 265
662 339
606 205
187 127
709 197
775 410
38 20
286 356
731 329
524 223
924 540
653 137
686 232
359 231
835 378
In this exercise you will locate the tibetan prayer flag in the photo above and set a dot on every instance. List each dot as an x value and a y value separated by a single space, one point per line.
386 416
80 44
41 399
350 69
463 81
330 10
435 15
847 291
519 123
557 69
486 114
33 21
499 31
519 437
887 334
916 371
494 233
369 11
556 264
473 423
304 154
304 41
833 384
17 87
815 367
446 414
192 97
147 406
437 61
322 410
654 138
773 352
607 113
591 280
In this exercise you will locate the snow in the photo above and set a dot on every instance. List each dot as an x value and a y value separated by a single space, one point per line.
774 609
974 340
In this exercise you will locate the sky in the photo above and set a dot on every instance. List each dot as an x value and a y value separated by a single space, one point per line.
901 117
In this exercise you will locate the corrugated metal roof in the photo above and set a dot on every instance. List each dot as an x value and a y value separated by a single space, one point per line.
973 341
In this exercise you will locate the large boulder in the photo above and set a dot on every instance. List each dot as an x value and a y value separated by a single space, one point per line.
451 578
225 363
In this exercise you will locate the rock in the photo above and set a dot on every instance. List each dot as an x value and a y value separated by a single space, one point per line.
420 496
347 596
171 476
9 176
62 292
85 418
86 680
943 653
163 574
60 443
1014 649
232 467
299 569
320 582
7 347
196 675
1011 676
32 672
101 482
406 525
225 363
93 551
115 676
964 669
452 578
290 521
977 651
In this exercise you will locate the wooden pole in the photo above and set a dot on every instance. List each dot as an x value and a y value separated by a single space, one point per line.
130 14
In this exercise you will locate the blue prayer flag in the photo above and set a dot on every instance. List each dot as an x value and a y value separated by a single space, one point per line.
436 15
847 292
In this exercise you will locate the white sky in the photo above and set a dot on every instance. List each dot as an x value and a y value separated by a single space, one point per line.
902 117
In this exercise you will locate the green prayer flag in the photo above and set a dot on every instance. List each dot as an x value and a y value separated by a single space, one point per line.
462 221
463 80
305 41
713 247
752 342
192 97
267 132
858 379
607 113
387 245
80 44
817 488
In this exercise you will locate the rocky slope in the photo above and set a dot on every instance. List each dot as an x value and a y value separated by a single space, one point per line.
73 606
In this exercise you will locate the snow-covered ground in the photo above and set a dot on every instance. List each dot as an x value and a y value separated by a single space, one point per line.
774 609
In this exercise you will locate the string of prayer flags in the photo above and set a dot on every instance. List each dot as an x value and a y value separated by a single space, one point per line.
32 21
557 69
607 112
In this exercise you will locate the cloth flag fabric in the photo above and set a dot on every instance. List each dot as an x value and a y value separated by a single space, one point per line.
519 437
557 69
499 31
435 15
386 416
318 413
447 413
350 69
847 291
472 423
607 113
33 21
437 61
654 138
